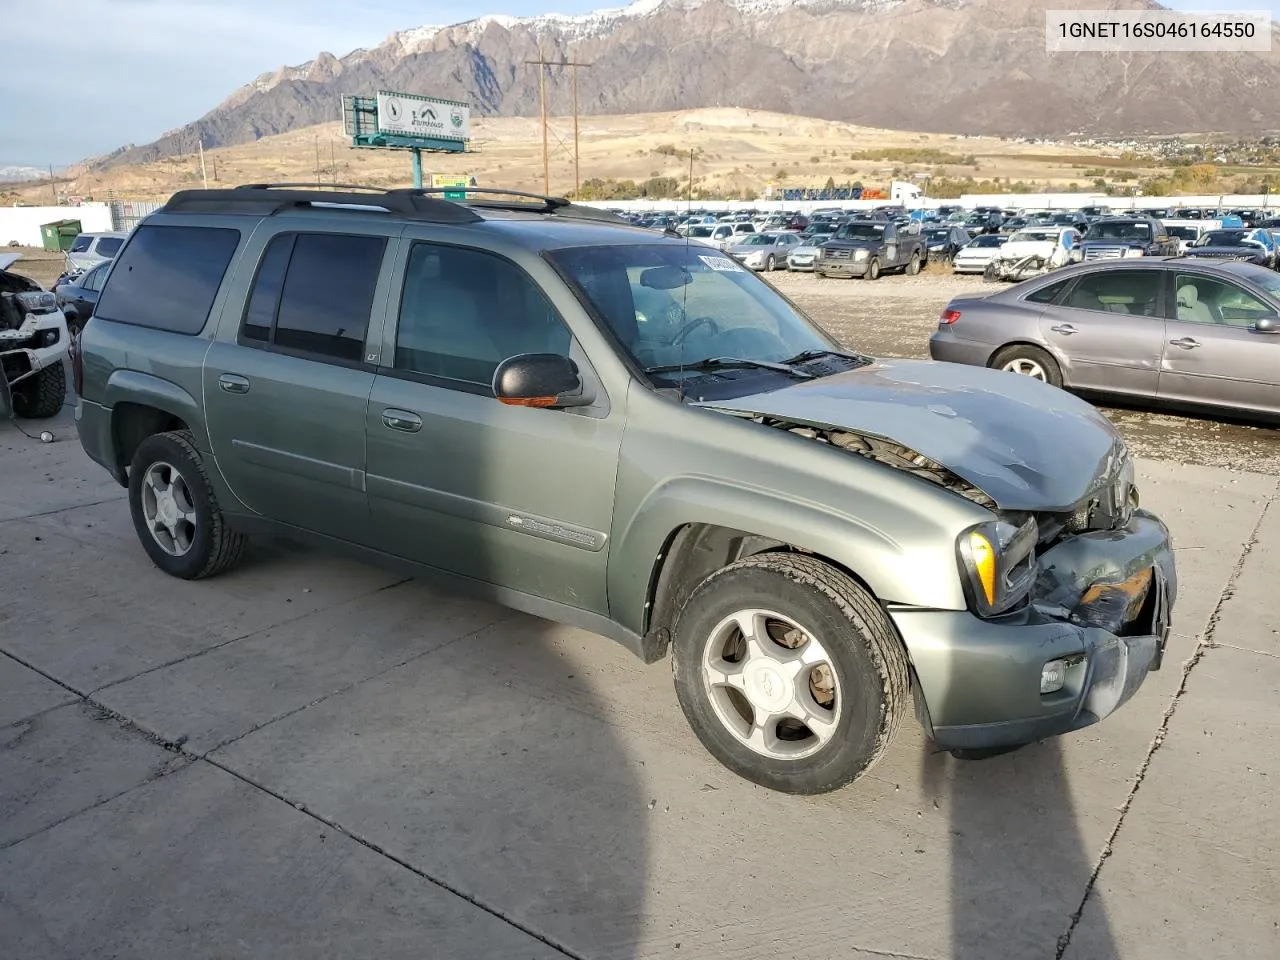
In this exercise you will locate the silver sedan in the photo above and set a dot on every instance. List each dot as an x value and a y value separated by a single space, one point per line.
1171 330
764 251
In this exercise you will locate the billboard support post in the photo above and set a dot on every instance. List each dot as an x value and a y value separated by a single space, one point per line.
416 153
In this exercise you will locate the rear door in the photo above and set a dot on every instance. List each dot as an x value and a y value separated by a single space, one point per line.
287 382
1212 355
1108 329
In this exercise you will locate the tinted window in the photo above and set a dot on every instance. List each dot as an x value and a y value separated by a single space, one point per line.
1047 294
463 312
167 277
93 279
80 244
1133 292
1202 300
109 246
260 314
328 294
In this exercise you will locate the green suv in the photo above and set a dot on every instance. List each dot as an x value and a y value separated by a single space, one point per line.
538 404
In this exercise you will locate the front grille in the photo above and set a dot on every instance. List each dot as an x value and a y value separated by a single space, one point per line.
837 254
1104 253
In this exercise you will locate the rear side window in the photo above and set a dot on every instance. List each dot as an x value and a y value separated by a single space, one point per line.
314 293
167 277
108 246
1049 293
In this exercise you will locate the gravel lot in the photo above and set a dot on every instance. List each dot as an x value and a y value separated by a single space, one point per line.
894 316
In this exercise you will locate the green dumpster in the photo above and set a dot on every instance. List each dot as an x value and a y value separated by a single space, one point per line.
58 236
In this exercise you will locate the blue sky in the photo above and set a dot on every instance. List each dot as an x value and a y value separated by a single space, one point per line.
129 70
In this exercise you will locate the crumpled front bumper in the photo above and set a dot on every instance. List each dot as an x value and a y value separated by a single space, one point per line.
978 681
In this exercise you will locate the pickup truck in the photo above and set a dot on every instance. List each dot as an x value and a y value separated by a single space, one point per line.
1117 237
867 248
538 404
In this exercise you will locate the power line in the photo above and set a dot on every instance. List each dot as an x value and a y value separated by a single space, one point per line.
541 63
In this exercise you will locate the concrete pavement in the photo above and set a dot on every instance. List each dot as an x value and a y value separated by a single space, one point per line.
310 758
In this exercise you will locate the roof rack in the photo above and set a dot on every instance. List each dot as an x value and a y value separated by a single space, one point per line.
417 203
270 198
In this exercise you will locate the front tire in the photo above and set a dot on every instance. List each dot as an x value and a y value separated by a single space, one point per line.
770 264
789 673
42 394
873 269
175 512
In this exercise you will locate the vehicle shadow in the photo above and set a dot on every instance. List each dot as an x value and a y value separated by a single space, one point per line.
1019 863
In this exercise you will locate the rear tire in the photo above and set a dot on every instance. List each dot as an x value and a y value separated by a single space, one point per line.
824 654
913 265
168 481
1028 361
42 394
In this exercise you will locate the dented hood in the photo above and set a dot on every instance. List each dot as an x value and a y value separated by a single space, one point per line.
1025 444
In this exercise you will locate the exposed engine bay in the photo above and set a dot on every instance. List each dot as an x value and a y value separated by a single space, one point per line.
34 340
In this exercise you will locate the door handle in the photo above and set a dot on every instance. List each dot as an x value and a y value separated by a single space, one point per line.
1063 328
1186 343
233 383
401 420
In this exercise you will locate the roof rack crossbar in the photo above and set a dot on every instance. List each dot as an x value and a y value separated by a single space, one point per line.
364 187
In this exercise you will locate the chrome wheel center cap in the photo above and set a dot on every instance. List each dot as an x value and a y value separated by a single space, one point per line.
167 509
767 688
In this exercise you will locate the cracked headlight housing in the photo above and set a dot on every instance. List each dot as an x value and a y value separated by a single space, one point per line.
997 565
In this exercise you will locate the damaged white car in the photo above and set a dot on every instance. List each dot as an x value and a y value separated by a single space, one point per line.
1031 252
33 344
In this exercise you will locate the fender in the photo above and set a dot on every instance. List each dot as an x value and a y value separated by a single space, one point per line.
131 386
921 573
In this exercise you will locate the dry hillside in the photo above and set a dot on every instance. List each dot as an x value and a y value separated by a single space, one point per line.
736 150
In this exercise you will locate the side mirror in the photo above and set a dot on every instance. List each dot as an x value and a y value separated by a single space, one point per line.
1267 325
539 380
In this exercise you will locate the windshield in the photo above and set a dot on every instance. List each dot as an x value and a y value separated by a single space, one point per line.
1223 238
1184 233
672 303
1033 236
80 244
860 231
1118 231
699 231
988 240
813 228
759 240
937 234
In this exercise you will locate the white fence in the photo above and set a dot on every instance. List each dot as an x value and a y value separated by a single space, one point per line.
1021 201
22 224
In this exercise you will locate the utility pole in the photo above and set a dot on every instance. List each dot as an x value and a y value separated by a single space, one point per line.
541 63
203 174
53 188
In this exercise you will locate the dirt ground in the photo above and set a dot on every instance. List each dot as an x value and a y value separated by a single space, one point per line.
894 317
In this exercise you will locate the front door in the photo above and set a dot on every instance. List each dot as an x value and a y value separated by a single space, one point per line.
1212 355
515 496
1110 329
286 399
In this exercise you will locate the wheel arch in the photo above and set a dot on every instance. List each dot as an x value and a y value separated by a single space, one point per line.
1064 367
141 405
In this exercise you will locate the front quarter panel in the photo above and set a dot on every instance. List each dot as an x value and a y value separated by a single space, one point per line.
682 465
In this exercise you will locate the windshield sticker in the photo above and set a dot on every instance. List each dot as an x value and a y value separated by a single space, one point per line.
723 264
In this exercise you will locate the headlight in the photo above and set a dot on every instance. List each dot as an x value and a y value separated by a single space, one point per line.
997 565
1135 252
860 254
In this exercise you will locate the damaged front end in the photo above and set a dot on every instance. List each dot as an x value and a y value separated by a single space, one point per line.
33 338
1069 609
1017 269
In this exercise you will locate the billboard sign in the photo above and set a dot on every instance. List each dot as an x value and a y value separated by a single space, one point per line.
409 115
455 187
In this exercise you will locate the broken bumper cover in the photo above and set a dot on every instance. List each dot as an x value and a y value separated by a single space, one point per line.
979 680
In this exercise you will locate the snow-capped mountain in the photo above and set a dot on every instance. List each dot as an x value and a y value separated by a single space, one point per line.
18 174
964 66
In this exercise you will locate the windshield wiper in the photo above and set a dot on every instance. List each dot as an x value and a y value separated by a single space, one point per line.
804 355
728 363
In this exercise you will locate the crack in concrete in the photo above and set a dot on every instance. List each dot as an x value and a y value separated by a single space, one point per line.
1206 642
472 899
58 510
1234 646
245 636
